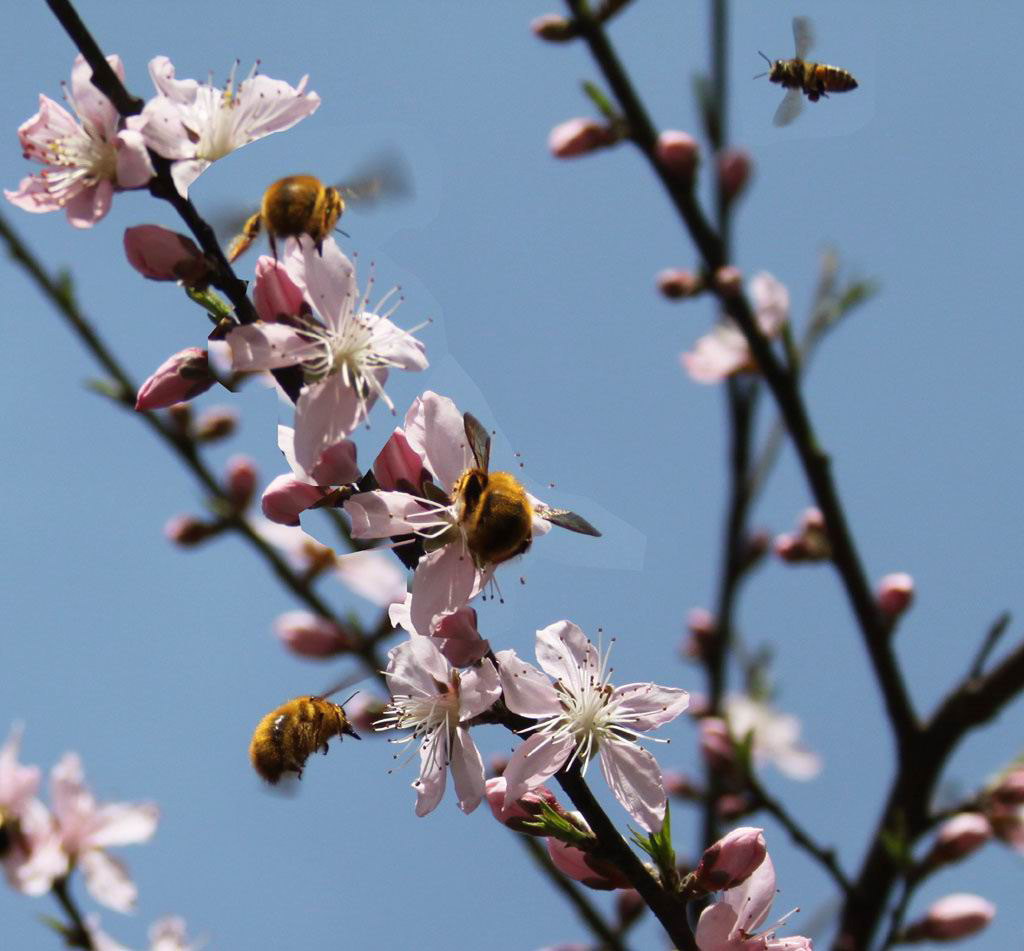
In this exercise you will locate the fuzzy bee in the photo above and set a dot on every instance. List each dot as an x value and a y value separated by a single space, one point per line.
799 75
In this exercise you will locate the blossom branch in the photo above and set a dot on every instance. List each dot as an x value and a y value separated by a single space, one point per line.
59 293
76 935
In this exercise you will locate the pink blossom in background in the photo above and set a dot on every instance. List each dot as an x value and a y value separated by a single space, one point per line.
182 376
776 736
344 348
454 632
433 700
678 152
716 744
310 635
85 159
895 594
729 923
724 352
87 829
581 716
951 918
194 124
576 137
169 934
958 837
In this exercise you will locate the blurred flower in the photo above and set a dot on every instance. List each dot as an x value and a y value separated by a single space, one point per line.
950 918
84 160
310 635
675 283
553 27
732 859
182 376
733 172
433 700
577 137
959 837
895 594
240 480
581 715
678 152
168 934
716 744
217 422
163 255
809 542
187 530
195 124
87 829
775 735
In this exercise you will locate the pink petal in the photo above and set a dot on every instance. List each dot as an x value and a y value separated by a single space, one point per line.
51 122
435 430
479 689
325 414
161 71
535 762
275 294
287 497
90 204
31 195
527 691
399 346
634 776
373 576
457 637
564 652
430 785
771 302
444 581
163 130
265 346
185 172
650 705
752 900
68 794
134 167
337 465
716 929
717 355
467 770
416 667
18 783
123 823
397 460
268 105
108 881
330 281
383 514
89 102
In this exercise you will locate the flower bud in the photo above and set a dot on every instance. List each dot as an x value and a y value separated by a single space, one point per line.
678 152
716 744
553 27
675 283
592 872
515 815
398 462
810 541
895 594
579 136
187 530
286 497
216 423
310 635
456 636
959 837
952 917
733 172
182 376
629 906
700 623
729 281
1009 790
240 480
163 255
732 859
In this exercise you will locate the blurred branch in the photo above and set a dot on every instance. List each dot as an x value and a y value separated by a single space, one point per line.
992 638
76 935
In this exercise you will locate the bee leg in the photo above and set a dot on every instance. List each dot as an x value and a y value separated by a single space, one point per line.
250 232
273 244
319 245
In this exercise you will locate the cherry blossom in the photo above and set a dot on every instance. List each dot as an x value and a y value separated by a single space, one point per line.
87 829
729 923
454 632
194 123
86 157
433 700
582 715
344 348
775 735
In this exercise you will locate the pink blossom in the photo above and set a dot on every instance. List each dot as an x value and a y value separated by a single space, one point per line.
433 700
187 530
344 348
87 829
553 27
195 124
678 152
729 923
583 867
163 255
733 171
577 137
716 744
310 635
776 736
581 715
809 542
217 422
725 352
732 859
397 464
168 934
895 594
85 160
454 632
958 837
517 814
240 479
950 918
675 283
182 376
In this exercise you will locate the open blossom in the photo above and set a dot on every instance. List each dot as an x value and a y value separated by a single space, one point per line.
433 700
345 349
85 156
776 736
729 923
581 715
87 829
194 123
725 352
165 934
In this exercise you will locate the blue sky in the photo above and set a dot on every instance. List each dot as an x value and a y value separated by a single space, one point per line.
155 663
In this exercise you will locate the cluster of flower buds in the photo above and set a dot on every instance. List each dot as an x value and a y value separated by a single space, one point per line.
808 543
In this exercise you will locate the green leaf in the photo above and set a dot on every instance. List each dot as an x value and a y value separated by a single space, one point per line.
599 99
216 307
658 846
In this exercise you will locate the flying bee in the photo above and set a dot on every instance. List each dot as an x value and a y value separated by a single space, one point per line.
798 75
494 511
286 737
303 205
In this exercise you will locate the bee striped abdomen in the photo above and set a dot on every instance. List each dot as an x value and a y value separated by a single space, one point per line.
832 78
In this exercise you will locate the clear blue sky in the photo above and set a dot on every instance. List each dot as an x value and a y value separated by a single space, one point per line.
155 664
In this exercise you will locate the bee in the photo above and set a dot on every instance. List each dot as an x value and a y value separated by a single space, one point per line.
286 737
798 75
303 205
494 511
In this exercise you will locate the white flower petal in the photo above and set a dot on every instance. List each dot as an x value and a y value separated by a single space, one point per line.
433 768
535 762
108 880
527 691
649 706
634 776
325 414
444 581
435 429
563 651
123 823
479 689
467 770
265 346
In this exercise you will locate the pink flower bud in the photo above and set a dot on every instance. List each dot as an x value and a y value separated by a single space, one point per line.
241 475
182 376
789 548
275 294
1010 789
716 744
895 594
959 837
553 27
733 172
732 805
579 136
729 281
809 543
218 422
732 859
629 906
680 785
163 255
952 917
286 497
811 520
700 624
515 815
675 283
310 635
578 865
337 464
678 152
187 530
398 462
456 636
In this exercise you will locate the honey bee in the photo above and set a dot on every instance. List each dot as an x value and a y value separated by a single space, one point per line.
288 736
303 205
798 75
494 511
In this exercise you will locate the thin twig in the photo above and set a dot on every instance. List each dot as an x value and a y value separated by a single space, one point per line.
995 632
77 935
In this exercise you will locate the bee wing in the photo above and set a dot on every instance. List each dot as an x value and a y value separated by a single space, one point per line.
386 176
356 677
566 519
803 36
229 220
479 440
789 108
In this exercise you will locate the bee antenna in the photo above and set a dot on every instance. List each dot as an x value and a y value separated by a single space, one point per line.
341 231
765 58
